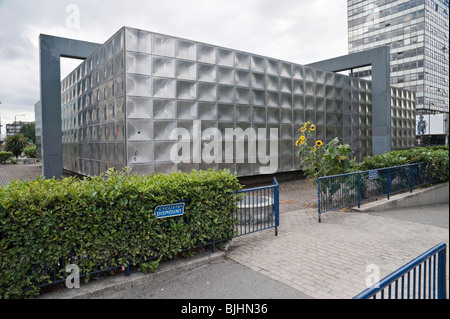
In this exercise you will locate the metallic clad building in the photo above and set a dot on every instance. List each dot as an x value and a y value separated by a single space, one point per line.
121 105
403 123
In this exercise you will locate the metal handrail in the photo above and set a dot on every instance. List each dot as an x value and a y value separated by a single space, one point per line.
440 281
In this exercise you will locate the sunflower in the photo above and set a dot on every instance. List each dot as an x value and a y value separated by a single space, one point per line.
313 127
315 149
302 129
302 137
302 142
296 143
319 143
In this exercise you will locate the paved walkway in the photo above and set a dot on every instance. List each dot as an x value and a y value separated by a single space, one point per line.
329 260
10 172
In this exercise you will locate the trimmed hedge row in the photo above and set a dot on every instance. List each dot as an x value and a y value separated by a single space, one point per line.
106 218
436 159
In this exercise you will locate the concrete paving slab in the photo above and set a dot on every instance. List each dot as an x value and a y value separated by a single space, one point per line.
220 279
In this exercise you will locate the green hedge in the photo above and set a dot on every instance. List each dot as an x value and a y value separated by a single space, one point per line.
42 221
5 156
30 151
435 157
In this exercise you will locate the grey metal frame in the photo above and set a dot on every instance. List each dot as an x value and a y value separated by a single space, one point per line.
379 59
51 49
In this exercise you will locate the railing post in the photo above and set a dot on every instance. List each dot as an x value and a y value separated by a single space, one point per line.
442 274
411 170
389 183
276 205
359 190
318 195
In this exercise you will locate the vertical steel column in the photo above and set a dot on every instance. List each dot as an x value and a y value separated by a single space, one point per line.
359 190
442 274
411 171
277 205
389 183
379 59
318 195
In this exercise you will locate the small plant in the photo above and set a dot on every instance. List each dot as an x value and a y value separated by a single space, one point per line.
5 156
317 159
30 151
149 266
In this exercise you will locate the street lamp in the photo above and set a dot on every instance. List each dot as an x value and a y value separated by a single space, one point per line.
15 117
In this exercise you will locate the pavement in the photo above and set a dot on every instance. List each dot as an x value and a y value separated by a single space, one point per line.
334 259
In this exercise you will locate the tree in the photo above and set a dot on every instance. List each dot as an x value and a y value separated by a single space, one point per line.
29 131
15 144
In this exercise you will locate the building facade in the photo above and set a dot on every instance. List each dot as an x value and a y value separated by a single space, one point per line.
14 128
158 103
417 33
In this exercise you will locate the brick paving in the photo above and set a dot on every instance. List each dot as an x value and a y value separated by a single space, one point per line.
329 260
9 172
298 194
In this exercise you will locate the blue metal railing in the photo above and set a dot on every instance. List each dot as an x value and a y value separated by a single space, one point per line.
349 190
422 278
258 209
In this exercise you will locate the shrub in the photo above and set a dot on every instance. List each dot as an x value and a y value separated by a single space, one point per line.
436 159
5 156
30 151
110 219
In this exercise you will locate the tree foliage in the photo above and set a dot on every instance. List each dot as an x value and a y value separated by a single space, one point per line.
15 144
29 132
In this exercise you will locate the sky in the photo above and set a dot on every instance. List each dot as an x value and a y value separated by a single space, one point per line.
299 31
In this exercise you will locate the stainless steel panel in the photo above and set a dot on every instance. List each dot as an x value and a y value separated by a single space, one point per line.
186 90
163 45
225 57
185 70
137 40
163 67
164 88
138 85
258 64
206 53
186 50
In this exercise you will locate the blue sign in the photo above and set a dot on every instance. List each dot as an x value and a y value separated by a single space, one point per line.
373 174
169 210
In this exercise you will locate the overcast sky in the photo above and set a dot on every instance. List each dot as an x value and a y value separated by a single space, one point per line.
300 31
